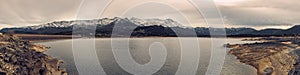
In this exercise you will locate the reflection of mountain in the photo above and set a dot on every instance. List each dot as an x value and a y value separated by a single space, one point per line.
142 27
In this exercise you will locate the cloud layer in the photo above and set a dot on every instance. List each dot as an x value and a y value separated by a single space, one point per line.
249 13
24 12
262 13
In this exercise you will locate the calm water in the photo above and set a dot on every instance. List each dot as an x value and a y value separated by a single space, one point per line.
139 50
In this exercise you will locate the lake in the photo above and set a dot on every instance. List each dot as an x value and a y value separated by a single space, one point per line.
139 50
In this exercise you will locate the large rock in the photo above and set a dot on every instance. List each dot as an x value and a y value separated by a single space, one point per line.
18 57
269 58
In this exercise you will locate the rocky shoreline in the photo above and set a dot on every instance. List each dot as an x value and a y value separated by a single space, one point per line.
20 57
275 56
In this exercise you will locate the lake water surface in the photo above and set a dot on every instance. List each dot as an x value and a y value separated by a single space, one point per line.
139 49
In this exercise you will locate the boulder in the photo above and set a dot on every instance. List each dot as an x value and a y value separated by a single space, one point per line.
19 57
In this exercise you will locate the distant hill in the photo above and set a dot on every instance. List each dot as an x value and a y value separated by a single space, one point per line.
143 27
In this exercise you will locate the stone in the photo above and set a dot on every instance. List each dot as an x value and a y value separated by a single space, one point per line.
269 58
19 57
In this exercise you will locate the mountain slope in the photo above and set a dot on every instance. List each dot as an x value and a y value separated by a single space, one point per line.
142 27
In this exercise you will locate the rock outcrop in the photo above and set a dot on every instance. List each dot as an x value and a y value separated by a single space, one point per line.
269 58
19 57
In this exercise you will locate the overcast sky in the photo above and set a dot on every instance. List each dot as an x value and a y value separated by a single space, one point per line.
237 13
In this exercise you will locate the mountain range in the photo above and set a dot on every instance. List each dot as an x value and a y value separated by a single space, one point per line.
117 26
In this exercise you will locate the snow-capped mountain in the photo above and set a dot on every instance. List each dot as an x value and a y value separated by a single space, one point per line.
142 27
106 21
149 22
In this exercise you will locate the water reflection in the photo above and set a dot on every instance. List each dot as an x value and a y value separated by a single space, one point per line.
139 49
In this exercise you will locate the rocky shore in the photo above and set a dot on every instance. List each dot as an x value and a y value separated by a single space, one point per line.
19 57
277 56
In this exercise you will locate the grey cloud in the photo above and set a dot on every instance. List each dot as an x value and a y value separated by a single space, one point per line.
20 12
262 13
248 13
